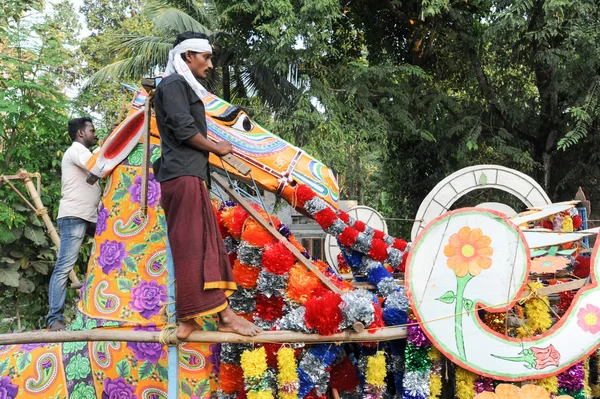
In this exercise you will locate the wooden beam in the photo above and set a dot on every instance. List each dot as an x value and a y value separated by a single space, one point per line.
384 334
224 184
555 289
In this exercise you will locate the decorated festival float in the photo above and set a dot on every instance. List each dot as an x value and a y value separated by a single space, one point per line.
480 304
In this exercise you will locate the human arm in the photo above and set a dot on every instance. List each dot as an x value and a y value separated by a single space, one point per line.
201 143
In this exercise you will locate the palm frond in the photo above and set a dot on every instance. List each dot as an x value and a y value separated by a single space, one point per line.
132 68
180 16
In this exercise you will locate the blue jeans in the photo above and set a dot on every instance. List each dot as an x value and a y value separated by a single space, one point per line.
72 232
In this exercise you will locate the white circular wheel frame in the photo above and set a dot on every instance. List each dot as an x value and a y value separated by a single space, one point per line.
453 187
363 213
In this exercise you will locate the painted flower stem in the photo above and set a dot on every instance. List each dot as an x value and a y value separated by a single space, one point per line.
458 312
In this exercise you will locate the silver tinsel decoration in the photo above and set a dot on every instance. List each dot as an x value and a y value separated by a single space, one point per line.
367 264
351 221
270 284
416 383
357 306
221 395
369 231
389 240
262 323
396 364
387 286
362 243
314 205
336 228
394 257
230 244
243 300
294 321
352 395
231 353
397 299
316 371
249 254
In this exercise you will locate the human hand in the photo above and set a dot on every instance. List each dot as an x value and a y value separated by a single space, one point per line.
223 148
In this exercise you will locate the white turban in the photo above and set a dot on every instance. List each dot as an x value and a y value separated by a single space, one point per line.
178 65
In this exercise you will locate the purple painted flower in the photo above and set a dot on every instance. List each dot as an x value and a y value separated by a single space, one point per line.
151 351
137 220
7 390
46 364
154 396
156 266
109 304
215 357
102 356
135 190
30 347
194 361
102 218
112 254
117 389
147 298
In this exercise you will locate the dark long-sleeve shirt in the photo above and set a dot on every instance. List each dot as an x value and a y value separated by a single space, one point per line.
179 115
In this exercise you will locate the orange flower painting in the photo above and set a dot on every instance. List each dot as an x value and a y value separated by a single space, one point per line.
468 251
529 391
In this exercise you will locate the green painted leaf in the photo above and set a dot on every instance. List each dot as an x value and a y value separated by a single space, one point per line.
23 362
202 388
138 249
130 264
123 368
448 297
124 284
71 347
186 388
126 179
483 179
4 366
118 195
90 324
468 304
157 236
146 370
162 222
162 372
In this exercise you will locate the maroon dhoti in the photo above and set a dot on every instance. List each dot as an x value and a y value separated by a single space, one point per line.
203 275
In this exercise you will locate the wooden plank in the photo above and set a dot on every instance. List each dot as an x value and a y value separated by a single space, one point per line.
383 334
237 164
224 184
555 289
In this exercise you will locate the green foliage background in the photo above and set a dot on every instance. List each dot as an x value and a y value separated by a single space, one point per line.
394 96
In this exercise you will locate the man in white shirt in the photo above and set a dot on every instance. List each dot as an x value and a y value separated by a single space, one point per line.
77 213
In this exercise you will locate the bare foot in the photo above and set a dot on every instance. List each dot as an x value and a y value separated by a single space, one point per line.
230 322
186 327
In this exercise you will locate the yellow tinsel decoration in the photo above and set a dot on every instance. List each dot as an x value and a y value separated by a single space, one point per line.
587 390
288 374
567 224
260 395
376 370
435 379
550 384
537 313
254 363
464 384
595 390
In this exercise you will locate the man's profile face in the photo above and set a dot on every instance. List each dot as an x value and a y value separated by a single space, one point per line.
88 135
200 64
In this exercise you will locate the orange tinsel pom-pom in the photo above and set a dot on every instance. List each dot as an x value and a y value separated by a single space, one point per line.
245 276
222 228
296 244
277 259
302 284
324 314
234 218
231 378
255 234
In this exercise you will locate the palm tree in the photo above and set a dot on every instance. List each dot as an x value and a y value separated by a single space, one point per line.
234 78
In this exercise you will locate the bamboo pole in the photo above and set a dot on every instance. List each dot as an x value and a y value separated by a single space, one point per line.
384 334
259 219
146 156
43 212
173 371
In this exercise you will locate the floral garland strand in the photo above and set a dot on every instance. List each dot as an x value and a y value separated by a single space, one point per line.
416 382
256 378
313 370
435 377
288 382
465 384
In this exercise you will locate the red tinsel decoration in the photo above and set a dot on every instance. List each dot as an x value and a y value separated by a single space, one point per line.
402 266
303 194
269 309
313 395
348 236
582 266
241 394
277 259
360 226
222 228
378 250
547 224
399 244
272 350
342 265
325 218
344 377
231 378
239 218
577 222
378 235
344 217
378 321
324 314
565 301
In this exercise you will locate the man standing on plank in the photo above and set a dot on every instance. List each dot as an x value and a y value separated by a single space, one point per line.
203 274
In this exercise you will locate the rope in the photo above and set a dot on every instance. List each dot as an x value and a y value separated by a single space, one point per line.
41 212
533 294
168 333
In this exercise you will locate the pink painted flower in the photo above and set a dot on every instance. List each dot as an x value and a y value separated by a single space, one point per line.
588 318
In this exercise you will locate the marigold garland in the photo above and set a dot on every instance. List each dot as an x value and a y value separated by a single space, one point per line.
537 313
465 384
435 377
254 366
287 378
376 370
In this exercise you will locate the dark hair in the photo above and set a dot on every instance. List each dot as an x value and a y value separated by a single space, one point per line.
77 124
188 35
